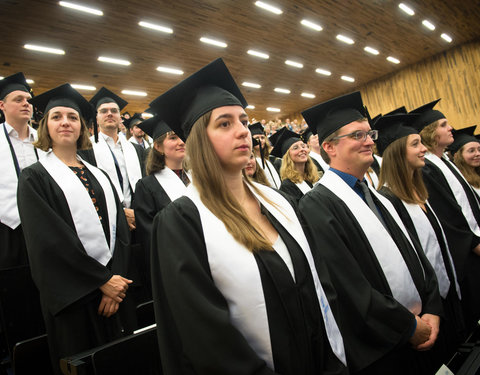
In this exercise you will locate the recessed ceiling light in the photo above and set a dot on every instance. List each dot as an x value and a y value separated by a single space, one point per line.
213 42
371 50
323 72
81 8
165 69
428 25
311 25
393 60
348 79
345 39
250 84
250 106
406 9
83 87
308 95
135 93
294 63
55 51
282 91
273 109
446 37
268 7
258 54
147 115
113 61
153 26
30 81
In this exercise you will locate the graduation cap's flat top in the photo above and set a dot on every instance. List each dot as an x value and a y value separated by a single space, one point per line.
274 137
104 95
63 96
154 127
256 128
397 111
427 115
211 87
393 127
12 83
286 139
325 118
462 137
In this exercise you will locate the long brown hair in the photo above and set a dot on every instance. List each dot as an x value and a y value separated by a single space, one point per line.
288 171
208 179
44 142
395 173
155 159
471 174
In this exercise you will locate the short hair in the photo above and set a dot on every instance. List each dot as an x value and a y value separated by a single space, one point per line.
329 139
428 135
44 142
155 159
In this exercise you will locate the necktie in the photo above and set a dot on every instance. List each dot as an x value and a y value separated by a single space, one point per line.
368 198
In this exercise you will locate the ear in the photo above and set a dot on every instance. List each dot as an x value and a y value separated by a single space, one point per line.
330 148
2 105
158 146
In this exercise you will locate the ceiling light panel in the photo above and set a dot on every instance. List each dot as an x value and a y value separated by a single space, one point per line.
446 37
294 63
273 109
165 69
311 25
83 87
156 27
269 7
406 9
393 60
250 106
250 84
282 91
134 93
308 95
348 78
428 25
258 54
371 50
323 72
112 60
54 51
345 39
81 8
213 42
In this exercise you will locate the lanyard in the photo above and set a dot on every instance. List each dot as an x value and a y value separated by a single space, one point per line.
12 150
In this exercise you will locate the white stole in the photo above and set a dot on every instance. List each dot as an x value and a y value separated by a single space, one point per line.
9 181
320 160
388 255
429 241
235 273
373 176
271 173
304 187
173 186
457 189
87 224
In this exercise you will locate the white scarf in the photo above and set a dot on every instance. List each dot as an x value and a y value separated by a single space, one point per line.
304 187
271 173
457 189
388 255
105 161
429 241
87 224
235 273
9 181
173 186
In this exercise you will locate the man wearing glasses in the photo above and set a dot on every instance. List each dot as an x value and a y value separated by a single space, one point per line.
388 298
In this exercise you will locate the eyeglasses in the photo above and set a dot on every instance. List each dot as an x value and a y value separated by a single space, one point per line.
104 111
360 135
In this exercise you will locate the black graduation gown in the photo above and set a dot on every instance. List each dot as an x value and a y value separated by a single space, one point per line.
150 198
461 240
292 189
12 243
375 327
68 279
194 330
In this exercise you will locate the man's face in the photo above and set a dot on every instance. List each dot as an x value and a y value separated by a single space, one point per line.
108 117
137 132
16 108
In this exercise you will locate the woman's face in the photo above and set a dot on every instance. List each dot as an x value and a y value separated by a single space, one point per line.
298 152
443 133
229 135
251 166
173 148
63 126
471 154
261 139
415 152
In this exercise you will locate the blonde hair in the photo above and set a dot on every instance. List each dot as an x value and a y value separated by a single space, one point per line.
288 170
44 142
395 173
428 134
471 174
210 182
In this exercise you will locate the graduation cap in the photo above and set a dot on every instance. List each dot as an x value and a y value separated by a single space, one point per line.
427 115
462 137
12 83
326 118
307 133
256 128
104 95
63 96
397 111
154 127
286 139
133 120
393 127
274 137
211 87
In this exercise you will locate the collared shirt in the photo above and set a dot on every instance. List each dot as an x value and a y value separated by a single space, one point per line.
24 150
118 152
350 181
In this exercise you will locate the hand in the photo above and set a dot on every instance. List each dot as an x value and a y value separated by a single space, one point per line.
107 306
434 322
422 333
116 288
476 249
130 215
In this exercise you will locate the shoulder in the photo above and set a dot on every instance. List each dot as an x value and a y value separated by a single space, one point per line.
34 170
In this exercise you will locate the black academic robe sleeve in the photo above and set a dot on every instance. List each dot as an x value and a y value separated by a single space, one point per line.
88 155
62 270
142 154
372 322
291 189
193 323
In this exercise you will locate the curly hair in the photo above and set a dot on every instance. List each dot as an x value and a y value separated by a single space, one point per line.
288 170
